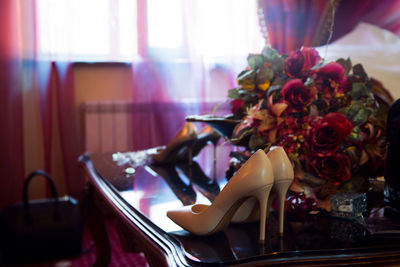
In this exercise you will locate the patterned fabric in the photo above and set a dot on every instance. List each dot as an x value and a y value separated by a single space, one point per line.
292 23
295 23
382 13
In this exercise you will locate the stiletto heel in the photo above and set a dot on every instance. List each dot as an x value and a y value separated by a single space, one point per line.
283 171
262 195
184 138
281 189
283 178
254 179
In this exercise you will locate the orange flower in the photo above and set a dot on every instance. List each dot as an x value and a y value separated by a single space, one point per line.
271 122
266 121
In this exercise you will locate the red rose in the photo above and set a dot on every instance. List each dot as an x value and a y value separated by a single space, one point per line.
297 95
336 168
311 57
301 61
327 133
330 79
236 105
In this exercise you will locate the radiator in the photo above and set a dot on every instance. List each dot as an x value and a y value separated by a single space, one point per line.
107 126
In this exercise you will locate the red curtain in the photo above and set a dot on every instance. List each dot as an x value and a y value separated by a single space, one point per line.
291 23
295 23
28 84
68 118
11 124
382 13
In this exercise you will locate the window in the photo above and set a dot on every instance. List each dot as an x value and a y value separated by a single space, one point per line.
107 30
87 30
164 20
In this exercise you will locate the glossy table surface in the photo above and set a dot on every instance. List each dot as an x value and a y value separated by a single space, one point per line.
152 190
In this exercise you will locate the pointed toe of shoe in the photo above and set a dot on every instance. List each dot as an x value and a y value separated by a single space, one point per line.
178 215
187 217
183 217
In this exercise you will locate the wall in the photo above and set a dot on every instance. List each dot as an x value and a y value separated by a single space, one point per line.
102 81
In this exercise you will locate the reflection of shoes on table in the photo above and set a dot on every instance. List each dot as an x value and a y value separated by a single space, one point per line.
184 138
243 240
253 179
204 137
184 192
205 249
209 188
223 125
283 178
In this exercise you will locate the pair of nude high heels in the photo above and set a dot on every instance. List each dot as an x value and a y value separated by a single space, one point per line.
186 144
254 180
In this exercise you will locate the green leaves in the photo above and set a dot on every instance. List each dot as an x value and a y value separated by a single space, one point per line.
255 61
354 136
264 74
357 113
241 138
247 79
270 53
256 142
357 183
346 64
359 90
312 180
234 93
359 71
246 76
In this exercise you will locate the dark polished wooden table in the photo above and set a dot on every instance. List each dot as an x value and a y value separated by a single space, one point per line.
139 203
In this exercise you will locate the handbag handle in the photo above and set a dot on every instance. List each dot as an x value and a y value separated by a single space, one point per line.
54 194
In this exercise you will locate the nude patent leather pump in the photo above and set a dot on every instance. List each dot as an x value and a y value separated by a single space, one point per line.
185 137
283 178
253 179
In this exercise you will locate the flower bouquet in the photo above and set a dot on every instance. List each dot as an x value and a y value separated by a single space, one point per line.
330 118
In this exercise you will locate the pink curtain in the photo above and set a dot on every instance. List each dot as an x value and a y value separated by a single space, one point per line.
11 135
295 23
28 81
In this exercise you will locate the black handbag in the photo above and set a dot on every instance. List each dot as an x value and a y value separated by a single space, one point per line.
41 229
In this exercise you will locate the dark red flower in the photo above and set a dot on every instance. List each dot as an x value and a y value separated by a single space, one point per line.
327 133
330 79
311 57
336 168
297 95
236 105
299 62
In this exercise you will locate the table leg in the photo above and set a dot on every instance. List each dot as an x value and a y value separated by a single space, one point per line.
131 243
94 220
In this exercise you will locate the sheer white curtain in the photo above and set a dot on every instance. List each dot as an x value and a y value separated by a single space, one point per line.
184 54
193 53
203 43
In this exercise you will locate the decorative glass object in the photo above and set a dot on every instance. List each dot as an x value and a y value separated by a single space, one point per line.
348 205
348 230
